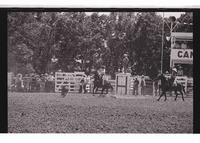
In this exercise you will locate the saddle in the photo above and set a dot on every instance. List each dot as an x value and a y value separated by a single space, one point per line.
172 82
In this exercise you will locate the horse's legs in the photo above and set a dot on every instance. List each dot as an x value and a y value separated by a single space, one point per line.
80 89
102 90
93 89
84 87
170 91
176 94
160 96
165 96
97 88
159 88
182 95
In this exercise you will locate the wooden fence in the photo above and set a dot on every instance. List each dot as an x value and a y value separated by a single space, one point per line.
71 80
10 78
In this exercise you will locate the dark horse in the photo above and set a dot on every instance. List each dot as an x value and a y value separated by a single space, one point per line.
167 85
98 83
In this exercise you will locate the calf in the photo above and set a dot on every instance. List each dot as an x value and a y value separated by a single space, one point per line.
64 91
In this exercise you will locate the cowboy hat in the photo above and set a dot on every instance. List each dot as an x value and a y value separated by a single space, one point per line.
174 69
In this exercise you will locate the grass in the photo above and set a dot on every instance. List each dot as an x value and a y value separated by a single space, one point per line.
79 113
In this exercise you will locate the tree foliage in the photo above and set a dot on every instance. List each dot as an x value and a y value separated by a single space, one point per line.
95 40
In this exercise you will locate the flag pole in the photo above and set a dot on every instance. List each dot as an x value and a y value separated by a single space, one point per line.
162 45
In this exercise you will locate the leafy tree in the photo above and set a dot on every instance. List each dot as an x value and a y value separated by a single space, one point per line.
83 42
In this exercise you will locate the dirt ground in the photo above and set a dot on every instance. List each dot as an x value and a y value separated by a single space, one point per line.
84 113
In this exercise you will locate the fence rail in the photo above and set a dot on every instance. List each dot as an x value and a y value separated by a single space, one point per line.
72 81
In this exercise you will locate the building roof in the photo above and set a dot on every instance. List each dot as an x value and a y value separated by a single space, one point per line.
182 35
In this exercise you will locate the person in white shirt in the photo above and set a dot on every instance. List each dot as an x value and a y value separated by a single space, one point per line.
173 76
84 81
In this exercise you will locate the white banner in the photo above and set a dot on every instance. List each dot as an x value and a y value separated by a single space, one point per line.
182 54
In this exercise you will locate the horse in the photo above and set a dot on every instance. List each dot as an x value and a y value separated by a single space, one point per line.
104 86
98 83
167 85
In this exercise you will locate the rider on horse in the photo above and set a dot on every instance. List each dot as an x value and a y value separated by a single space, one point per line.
173 77
100 81
170 85
98 75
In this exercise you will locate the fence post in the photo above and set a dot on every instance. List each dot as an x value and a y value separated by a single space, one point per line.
154 91
186 81
139 87
122 83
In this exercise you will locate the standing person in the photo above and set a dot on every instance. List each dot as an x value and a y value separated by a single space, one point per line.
33 83
83 85
125 63
49 83
26 82
142 84
52 82
13 83
19 82
42 83
38 83
135 86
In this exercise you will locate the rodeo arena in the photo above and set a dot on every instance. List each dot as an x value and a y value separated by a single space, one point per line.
78 102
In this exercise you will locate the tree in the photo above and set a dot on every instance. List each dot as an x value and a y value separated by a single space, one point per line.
86 41
185 22
18 48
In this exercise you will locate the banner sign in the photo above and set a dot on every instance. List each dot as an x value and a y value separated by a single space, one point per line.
182 54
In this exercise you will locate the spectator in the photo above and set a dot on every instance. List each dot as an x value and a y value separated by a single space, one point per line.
125 63
27 80
49 83
42 85
135 86
13 83
19 82
33 83
142 84
38 83
83 85
52 82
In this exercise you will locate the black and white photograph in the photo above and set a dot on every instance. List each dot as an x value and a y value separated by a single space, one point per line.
100 71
